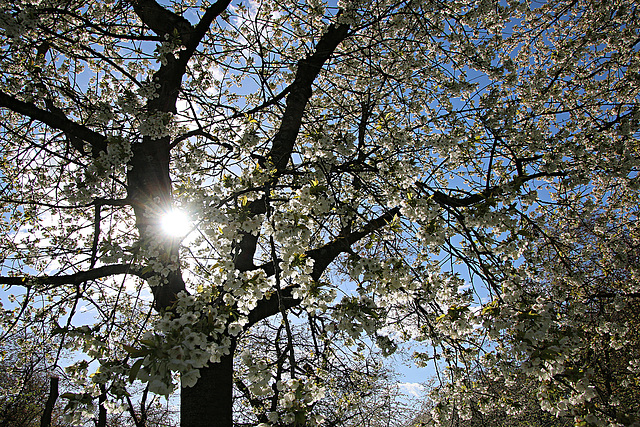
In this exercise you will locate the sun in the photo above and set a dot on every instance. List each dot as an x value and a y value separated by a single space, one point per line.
176 223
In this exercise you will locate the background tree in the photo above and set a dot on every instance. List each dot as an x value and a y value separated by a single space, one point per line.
578 363
515 404
335 161
25 383
31 387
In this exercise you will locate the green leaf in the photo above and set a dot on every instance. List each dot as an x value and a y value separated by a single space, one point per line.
135 352
135 368
68 396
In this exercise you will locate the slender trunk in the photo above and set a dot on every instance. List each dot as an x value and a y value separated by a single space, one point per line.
102 410
210 401
45 421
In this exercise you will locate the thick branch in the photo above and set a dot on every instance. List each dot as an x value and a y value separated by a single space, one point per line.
148 178
164 22
299 94
270 307
322 256
97 141
446 200
160 20
71 279
202 27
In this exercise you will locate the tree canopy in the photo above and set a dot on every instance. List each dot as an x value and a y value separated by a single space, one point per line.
462 174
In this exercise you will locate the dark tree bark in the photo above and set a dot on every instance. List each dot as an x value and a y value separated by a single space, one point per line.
210 401
45 420
102 410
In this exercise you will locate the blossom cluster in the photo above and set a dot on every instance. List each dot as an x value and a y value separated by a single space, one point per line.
183 341
156 125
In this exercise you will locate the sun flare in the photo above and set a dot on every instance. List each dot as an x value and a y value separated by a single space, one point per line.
176 223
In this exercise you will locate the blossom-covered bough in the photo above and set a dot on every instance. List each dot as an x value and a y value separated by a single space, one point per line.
340 164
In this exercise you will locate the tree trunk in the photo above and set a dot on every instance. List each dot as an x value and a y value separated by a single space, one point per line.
45 420
210 401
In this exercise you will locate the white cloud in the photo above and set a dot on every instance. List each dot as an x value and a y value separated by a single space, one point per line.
412 389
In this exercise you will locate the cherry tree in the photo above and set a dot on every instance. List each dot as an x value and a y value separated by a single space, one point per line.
570 346
331 167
